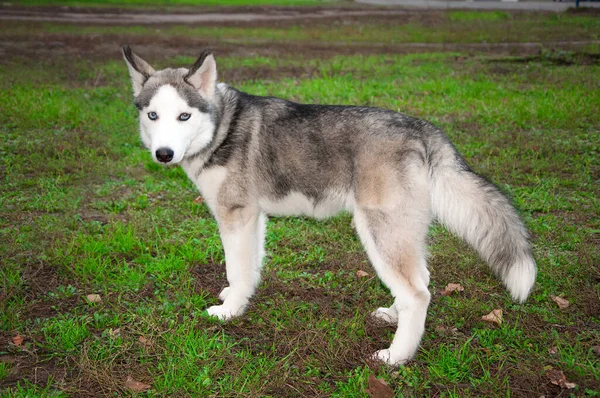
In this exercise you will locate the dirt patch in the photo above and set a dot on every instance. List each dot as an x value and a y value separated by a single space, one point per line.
584 11
209 277
90 215
557 58
107 46
24 366
26 363
41 279
525 384
244 73
306 345
303 343
107 377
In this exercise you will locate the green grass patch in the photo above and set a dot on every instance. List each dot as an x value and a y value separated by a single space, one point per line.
470 16
30 390
451 27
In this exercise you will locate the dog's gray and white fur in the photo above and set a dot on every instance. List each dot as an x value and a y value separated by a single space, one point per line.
251 156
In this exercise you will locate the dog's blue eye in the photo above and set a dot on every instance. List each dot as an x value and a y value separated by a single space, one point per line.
152 115
184 116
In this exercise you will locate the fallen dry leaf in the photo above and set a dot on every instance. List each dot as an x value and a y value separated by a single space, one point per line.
135 385
596 350
146 342
558 378
94 298
451 288
562 303
445 329
199 200
493 317
378 388
17 340
361 274
113 333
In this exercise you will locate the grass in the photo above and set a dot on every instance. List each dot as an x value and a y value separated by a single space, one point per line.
453 27
84 210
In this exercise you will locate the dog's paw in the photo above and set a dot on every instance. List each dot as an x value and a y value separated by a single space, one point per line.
387 357
388 315
223 312
224 293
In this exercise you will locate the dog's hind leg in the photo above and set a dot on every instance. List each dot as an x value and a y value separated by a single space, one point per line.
398 256
242 235
392 216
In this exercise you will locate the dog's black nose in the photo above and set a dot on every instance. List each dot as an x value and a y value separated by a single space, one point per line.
164 155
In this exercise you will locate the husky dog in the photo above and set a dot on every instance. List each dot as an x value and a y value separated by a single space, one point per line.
251 156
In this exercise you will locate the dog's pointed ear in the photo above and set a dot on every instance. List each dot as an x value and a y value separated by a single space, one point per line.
203 75
139 70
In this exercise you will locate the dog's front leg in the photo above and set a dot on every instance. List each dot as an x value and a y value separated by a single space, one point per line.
240 230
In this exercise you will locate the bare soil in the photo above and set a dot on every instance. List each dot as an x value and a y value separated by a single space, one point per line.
101 47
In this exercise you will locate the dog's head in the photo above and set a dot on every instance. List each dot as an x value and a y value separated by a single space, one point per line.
175 105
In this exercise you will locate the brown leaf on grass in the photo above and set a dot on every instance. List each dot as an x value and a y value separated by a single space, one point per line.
558 378
361 274
146 342
493 317
561 302
114 333
17 340
445 329
596 350
94 298
378 388
451 288
199 200
135 385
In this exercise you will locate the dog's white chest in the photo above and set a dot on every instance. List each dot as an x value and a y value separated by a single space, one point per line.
209 183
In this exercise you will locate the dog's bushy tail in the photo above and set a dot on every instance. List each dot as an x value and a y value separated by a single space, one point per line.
473 208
